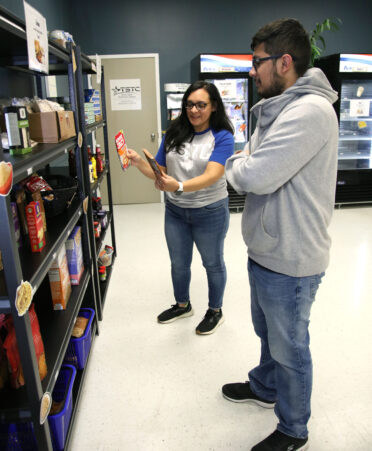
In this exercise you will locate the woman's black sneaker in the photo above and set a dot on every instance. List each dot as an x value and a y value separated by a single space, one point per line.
211 321
175 312
241 392
277 441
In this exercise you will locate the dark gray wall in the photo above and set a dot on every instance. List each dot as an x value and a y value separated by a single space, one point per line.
179 31
58 13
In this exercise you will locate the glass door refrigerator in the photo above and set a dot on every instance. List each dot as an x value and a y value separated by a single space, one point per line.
230 74
351 76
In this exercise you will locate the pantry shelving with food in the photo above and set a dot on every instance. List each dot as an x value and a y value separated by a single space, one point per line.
89 134
24 405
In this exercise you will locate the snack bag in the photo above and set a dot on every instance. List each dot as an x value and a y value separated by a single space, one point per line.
153 163
11 347
121 148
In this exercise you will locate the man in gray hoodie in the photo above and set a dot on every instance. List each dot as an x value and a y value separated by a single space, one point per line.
289 175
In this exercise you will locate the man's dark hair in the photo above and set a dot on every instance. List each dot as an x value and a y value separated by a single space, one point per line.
285 36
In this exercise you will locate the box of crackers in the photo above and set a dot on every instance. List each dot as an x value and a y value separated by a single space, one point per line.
35 226
59 280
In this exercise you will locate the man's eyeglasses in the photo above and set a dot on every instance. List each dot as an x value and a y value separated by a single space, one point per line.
256 61
200 106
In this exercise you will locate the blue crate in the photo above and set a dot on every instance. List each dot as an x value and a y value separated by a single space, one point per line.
17 437
60 422
78 348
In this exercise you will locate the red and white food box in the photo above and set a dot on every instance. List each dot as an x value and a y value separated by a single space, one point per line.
35 226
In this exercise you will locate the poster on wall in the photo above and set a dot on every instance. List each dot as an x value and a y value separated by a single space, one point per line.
126 94
37 39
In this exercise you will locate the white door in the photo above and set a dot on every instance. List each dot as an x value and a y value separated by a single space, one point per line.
138 116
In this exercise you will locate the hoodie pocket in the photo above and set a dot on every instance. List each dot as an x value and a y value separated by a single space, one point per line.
260 226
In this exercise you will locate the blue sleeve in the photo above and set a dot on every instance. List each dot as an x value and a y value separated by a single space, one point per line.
160 156
223 146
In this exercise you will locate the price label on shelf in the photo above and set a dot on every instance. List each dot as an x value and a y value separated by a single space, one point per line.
85 205
23 297
45 406
80 139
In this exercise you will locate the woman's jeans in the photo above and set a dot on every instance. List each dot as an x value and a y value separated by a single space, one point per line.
280 307
206 227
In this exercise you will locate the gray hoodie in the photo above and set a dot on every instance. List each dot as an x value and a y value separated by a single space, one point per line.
290 178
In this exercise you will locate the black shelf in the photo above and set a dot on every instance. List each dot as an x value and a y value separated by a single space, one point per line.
101 239
21 264
96 184
93 127
13 43
55 328
41 155
36 265
13 48
104 285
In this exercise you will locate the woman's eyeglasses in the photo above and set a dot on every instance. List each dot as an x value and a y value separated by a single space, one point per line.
256 61
200 106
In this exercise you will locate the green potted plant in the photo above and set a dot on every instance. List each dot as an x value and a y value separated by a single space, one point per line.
316 39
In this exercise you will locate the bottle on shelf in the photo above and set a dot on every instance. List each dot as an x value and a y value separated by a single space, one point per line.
94 162
99 160
91 177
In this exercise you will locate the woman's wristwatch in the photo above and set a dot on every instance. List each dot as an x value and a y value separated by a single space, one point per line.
179 191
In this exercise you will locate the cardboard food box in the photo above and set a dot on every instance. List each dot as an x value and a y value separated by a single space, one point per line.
74 253
52 126
59 280
35 226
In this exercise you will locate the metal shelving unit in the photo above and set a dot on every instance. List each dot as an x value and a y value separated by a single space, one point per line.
96 244
24 404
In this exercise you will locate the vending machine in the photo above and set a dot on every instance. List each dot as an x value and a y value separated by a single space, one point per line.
351 76
229 72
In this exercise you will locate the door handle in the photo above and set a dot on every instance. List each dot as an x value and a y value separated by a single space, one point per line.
153 137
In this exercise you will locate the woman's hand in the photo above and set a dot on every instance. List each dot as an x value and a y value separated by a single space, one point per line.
167 183
133 157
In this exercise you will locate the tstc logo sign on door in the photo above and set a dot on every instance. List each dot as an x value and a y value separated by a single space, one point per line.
126 94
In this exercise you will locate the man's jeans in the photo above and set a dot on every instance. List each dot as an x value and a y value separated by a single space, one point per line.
206 227
280 308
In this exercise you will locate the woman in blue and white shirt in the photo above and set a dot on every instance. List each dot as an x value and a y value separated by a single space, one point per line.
192 157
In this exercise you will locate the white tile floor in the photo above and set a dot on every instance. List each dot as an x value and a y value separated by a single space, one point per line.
158 387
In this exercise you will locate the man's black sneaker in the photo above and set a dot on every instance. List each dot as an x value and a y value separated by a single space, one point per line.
241 392
175 312
211 321
277 441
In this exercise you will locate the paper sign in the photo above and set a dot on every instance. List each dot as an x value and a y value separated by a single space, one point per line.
37 39
126 94
227 88
359 107
174 101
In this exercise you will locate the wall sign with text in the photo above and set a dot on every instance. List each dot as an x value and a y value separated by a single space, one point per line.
126 94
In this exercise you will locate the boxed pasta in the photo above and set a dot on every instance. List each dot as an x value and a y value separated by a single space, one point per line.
74 253
59 280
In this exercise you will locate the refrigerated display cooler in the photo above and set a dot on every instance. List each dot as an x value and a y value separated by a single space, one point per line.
351 76
230 74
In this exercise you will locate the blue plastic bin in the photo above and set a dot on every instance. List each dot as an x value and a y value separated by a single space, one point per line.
60 422
17 437
78 348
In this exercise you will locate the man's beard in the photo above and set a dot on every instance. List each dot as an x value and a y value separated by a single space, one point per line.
276 88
